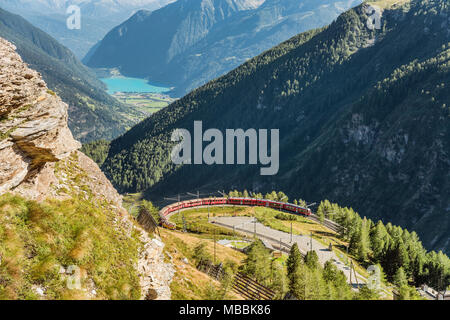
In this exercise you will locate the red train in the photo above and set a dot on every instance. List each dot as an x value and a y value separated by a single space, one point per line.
292 208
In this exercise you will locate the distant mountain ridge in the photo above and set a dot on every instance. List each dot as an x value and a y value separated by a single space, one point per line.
363 115
190 42
97 18
93 114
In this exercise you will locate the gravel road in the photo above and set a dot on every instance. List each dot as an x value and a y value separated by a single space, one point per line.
304 242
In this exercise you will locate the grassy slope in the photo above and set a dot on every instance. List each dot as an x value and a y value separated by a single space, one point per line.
190 283
37 239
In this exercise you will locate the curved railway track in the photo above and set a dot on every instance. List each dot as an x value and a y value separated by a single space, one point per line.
290 208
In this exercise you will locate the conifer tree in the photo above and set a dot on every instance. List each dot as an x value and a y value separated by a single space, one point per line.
298 286
312 260
257 264
400 278
365 293
378 240
294 261
281 196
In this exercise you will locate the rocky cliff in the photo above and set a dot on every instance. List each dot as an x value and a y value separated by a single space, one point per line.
40 160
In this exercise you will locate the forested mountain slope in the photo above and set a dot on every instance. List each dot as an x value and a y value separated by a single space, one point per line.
363 114
190 42
93 114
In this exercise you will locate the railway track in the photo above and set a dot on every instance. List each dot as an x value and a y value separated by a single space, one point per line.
275 243
165 213
327 223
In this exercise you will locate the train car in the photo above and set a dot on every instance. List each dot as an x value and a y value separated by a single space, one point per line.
274 204
242 201
221 201
192 204
261 203
304 211
168 225
168 210
235 201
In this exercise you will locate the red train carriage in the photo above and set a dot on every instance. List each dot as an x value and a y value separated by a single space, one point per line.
269 203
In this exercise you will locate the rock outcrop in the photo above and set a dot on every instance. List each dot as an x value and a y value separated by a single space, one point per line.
155 272
33 123
40 159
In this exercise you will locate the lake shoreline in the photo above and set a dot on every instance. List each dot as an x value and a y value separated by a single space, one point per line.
119 83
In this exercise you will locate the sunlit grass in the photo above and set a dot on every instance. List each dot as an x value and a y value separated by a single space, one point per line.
190 283
387 3
197 221
38 239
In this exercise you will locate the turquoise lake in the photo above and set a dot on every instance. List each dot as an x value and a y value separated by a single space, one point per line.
125 84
